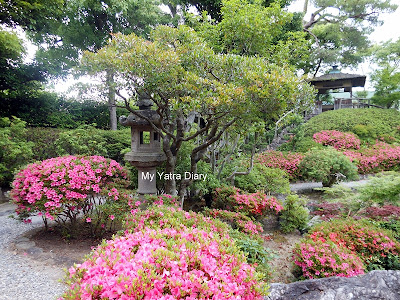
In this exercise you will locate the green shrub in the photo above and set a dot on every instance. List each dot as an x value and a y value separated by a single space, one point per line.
327 165
255 252
43 139
368 124
305 144
88 140
294 215
385 187
15 151
365 131
270 180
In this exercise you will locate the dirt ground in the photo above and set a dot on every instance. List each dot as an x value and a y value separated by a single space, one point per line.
51 248
282 245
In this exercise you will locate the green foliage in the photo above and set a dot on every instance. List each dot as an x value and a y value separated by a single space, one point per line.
89 26
294 215
327 165
339 30
44 109
377 122
31 15
269 180
15 151
386 78
183 74
109 215
43 140
88 140
255 251
255 28
385 187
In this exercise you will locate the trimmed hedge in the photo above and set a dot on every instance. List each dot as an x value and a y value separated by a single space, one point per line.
368 124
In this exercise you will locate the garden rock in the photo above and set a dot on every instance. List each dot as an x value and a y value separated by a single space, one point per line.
374 285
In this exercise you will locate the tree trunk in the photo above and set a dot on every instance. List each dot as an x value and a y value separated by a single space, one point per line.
111 101
170 185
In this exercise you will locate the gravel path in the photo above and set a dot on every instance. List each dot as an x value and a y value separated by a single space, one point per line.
21 278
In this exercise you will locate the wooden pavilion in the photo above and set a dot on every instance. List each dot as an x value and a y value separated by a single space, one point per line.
337 80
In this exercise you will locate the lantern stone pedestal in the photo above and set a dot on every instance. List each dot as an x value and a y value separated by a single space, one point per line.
145 152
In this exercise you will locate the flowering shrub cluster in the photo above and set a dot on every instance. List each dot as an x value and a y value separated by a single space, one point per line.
337 139
254 204
288 161
162 216
350 239
318 259
237 220
164 199
165 264
62 188
167 253
379 157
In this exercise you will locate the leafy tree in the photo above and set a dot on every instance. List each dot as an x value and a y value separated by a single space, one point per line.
387 77
254 28
183 76
88 25
340 28
19 82
32 15
214 7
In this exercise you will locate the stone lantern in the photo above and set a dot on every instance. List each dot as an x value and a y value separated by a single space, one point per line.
146 152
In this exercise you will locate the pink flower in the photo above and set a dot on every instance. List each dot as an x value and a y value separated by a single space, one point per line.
112 217
88 220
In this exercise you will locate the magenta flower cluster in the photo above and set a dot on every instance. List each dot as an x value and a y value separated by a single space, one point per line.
318 259
337 139
379 157
63 187
342 248
254 204
237 220
288 161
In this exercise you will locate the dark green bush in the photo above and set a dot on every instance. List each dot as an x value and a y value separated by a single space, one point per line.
88 140
327 165
15 151
294 215
368 124
43 139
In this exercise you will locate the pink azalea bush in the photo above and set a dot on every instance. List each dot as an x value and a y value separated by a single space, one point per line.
288 161
167 253
379 157
161 216
318 259
336 248
254 204
337 139
62 188
237 220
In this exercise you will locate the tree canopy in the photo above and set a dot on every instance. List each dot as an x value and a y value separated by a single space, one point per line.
339 30
184 76
386 77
